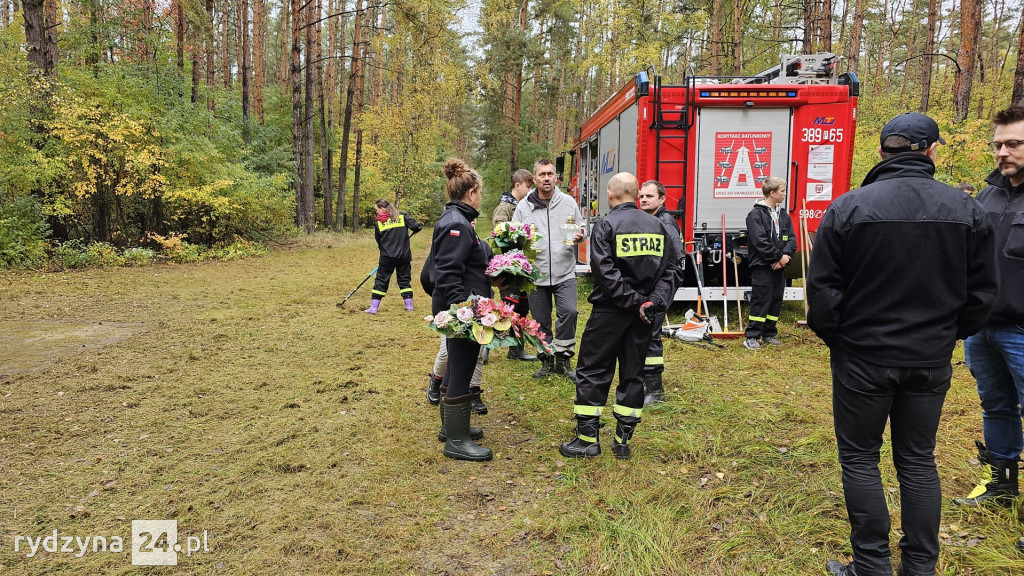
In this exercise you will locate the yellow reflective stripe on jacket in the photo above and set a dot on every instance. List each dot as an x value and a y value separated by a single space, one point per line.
399 223
654 361
586 410
627 245
626 411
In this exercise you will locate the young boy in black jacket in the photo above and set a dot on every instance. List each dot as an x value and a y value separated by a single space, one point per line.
772 246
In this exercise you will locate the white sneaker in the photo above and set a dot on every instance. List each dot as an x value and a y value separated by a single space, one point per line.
751 344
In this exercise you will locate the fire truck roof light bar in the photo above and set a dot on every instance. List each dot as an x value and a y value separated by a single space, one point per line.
748 93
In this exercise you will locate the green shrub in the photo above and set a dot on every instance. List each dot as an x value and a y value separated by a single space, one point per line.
23 234
69 255
138 256
103 254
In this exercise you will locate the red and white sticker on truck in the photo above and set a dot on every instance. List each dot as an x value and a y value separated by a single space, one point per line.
743 160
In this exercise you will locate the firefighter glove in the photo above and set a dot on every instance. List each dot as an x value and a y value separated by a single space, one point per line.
647 312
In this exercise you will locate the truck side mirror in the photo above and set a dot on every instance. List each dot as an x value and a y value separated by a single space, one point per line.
560 166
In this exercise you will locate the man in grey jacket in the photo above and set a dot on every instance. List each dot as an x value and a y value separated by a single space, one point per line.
548 208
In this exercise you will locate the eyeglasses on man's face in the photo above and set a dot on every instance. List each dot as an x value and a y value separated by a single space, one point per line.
996 145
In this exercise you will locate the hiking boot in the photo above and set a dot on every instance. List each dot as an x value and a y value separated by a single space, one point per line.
442 434
837 568
1020 543
519 353
623 432
1001 489
654 390
563 366
774 341
478 405
547 365
459 445
751 344
585 444
433 389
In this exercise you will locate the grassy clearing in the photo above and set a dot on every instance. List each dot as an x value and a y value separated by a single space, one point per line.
248 405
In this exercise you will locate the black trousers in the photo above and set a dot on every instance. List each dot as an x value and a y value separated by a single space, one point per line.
612 335
655 361
864 396
462 354
767 289
385 268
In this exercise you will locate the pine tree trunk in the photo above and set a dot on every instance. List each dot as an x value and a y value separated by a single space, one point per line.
1018 73
179 36
53 22
244 67
308 174
259 66
970 27
321 92
35 23
295 71
346 127
283 71
809 28
737 38
211 50
927 63
825 29
339 214
360 91
716 38
225 28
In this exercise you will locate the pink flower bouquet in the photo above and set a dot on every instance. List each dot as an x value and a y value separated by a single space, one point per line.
518 271
491 324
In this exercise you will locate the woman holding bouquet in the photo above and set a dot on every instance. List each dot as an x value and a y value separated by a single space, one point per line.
459 260
392 236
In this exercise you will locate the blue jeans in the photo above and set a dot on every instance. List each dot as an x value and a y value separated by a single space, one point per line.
995 357
864 396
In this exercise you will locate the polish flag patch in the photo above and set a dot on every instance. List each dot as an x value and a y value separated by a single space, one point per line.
455 233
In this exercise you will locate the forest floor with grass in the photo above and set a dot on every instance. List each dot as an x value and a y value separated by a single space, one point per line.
237 399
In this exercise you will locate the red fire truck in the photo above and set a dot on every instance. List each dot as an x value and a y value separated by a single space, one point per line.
712 141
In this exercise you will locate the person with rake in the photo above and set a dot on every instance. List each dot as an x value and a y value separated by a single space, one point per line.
392 234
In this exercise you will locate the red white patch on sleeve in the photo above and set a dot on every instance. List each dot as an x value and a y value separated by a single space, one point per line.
455 233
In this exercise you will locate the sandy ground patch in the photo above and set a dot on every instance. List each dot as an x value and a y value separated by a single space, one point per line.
32 346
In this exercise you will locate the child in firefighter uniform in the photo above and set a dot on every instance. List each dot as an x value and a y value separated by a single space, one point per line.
772 246
392 235
634 264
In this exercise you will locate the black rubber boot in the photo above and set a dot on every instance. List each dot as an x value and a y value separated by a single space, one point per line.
1020 543
519 353
654 390
433 389
563 366
478 405
837 568
1001 489
459 445
586 444
623 432
547 365
442 434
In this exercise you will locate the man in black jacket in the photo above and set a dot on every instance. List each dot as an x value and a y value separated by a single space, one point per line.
996 354
652 201
634 263
901 268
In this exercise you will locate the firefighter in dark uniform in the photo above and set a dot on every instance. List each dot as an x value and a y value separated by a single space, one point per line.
772 245
392 236
652 201
634 264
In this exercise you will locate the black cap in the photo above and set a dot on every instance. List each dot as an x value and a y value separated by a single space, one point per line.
921 130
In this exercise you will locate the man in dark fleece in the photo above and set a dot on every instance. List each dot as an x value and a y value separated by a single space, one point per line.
901 268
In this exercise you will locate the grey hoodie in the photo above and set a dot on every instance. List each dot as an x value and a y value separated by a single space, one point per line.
556 261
